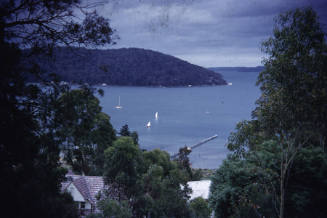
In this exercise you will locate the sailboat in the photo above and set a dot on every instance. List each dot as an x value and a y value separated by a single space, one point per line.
119 106
156 115
148 125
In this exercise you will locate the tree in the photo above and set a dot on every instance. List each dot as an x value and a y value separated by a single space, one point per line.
247 136
124 131
307 184
293 101
29 152
122 163
135 137
40 24
162 195
29 155
246 186
85 131
184 162
286 140
200 208
112 208
149 180
104 136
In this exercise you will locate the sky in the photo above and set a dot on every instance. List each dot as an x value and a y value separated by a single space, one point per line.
209 33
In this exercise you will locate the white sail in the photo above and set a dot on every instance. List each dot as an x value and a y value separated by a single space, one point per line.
148 124
156 115
119 106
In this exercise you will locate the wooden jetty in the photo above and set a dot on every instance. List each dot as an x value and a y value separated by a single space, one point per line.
174 156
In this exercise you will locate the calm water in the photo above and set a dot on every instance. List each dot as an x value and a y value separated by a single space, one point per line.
186 115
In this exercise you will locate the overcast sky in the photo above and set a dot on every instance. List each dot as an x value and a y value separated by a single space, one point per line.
208 33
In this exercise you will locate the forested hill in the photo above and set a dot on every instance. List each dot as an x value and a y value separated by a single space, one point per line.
126 67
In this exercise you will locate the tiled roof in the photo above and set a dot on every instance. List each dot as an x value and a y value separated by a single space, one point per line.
88 186
82 186
95 184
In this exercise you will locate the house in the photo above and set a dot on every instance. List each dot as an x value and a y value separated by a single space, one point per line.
84 190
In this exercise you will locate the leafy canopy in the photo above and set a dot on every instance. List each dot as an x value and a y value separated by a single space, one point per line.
29 151
274 155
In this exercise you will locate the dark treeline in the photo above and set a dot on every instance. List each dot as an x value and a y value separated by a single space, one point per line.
278 161
125 67
239 69
31 128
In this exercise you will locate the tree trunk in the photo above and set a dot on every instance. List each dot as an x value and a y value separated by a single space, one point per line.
282 194
282 183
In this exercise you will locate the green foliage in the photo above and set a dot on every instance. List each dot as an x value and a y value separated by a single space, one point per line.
103 136
85 131
198 174
135 137
162 195
29 156
43 24
29 151
200 208
159 158
202 174
264 176
293 84
122 164
292 107
112 208
307 185
248 134
245 187
149 179
183 160
124 131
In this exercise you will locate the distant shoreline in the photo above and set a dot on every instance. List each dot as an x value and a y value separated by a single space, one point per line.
123 67
239 69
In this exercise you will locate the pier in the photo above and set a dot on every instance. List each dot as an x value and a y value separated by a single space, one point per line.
196 145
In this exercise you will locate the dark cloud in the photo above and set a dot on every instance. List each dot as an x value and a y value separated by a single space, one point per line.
203 32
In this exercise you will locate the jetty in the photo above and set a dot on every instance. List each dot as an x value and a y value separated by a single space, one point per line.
191 148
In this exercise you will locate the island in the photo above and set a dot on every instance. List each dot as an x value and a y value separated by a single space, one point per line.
124 67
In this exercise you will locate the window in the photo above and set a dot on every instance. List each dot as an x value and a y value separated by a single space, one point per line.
82 205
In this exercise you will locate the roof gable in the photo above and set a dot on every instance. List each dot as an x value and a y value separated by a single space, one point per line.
87 186
76 194
82 187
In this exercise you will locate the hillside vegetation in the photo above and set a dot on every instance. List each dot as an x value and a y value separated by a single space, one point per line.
126 67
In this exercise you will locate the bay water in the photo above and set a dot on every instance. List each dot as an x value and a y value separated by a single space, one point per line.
186 115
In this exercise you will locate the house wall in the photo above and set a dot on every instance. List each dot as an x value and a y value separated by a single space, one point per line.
88 206
77 196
